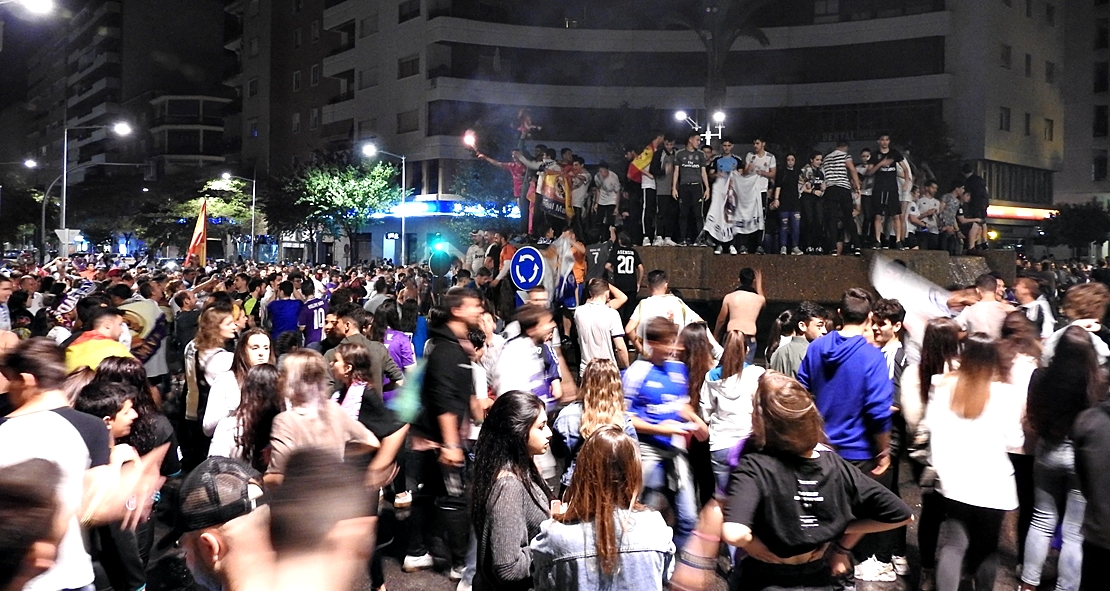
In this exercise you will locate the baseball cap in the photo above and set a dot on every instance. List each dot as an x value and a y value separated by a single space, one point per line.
214 493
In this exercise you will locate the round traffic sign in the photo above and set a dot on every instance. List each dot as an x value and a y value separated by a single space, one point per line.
526 268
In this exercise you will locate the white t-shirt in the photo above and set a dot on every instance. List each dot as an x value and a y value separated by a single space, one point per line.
667 306
924 204
608 188
598 325
762 163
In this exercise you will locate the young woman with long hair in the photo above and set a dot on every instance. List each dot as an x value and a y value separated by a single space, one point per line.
313 419
1019 352
253 348
602 537
726 404
696 353
790 541
207 361
245 435
352 365
1072 383
510 499
974 418
602 404
387 331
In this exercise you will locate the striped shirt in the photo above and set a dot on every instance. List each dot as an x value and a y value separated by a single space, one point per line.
835 168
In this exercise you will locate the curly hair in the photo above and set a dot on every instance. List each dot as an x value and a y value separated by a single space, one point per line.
602 396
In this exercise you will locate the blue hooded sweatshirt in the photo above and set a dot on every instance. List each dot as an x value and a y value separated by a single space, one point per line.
848 378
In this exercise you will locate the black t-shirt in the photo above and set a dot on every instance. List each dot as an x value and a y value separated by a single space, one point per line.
886 177
624 260
494 252
596 257
795 505
789 200
977 188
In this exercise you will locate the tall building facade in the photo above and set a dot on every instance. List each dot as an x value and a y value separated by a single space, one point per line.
1087 100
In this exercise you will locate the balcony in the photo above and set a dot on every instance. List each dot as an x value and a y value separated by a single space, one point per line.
338 13
87 19
344 110
343 61
90 91
86 67
97 111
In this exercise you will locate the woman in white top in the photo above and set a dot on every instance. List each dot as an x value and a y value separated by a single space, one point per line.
252 349
726 404
245 435
1020 351
973 419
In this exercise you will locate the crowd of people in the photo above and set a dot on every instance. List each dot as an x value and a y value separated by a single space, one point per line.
270 414
679 192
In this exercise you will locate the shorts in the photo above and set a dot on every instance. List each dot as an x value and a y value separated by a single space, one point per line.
570 303
905 196
885 203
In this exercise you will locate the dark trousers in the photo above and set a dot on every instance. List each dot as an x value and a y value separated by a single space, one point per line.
194 444
648 213
439 506
812 235
604 218
690 220
881 544
839 206
667 220
1026 493
1096 567
970 533
701 466
522 202
928 524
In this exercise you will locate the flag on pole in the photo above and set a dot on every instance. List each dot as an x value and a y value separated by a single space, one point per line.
199 244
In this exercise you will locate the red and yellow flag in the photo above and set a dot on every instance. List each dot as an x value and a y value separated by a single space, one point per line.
637 167
198 246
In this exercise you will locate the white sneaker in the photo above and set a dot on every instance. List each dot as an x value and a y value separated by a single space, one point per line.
782 250
901 565
418 563
796 251
464 586
456 573
647 241
402 500
669 242
718 250
658 241
731 249
872 570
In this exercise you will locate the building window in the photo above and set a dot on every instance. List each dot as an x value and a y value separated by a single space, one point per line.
1028 124
826 11
1049 130
1029 8
314 118
1004 119
368 26
252 46
408 66
1050 15
408 10
252 87
1102 33
368 78
252 127
1098 165
1028 65
366 128
296 81
1102 76
298 37
296 122
314 75
1101 124
408 121
315 31
1006 55
1050 72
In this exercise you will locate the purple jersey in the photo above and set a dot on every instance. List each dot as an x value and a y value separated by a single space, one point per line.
311 320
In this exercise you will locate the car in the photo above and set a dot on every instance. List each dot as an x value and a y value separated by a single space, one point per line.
168 264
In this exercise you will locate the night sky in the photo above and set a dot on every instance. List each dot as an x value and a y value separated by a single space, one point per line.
21 31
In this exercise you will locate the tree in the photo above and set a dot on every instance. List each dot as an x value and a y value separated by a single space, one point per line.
20 205
1078 225
339 196
482 185
718 24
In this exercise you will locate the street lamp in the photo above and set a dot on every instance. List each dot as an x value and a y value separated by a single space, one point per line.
718 118
227 176
120 128
33 6
370 151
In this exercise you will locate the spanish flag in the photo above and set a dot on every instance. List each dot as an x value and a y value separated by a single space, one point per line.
637 167
198 246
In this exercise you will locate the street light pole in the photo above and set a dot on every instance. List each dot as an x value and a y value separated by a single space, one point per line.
120 129
370 150
227 176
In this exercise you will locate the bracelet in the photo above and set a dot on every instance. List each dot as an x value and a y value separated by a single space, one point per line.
707 538
452 446
696 561
839 549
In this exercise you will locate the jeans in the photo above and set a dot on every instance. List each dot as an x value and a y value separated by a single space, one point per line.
721 468
971 532
838 210
813 213
1056 486
439 507
668 472
789 224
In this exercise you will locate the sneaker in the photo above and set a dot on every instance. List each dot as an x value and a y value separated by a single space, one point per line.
718 250
731 249
759 250
899 246
819 250
669 242
743 250
872 570
782 250
456 573
647 241
796 251
403 500
658 241
901 565
417 563
464 586
809 250
857 252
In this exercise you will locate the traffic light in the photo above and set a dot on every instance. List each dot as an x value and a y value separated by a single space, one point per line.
438 243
